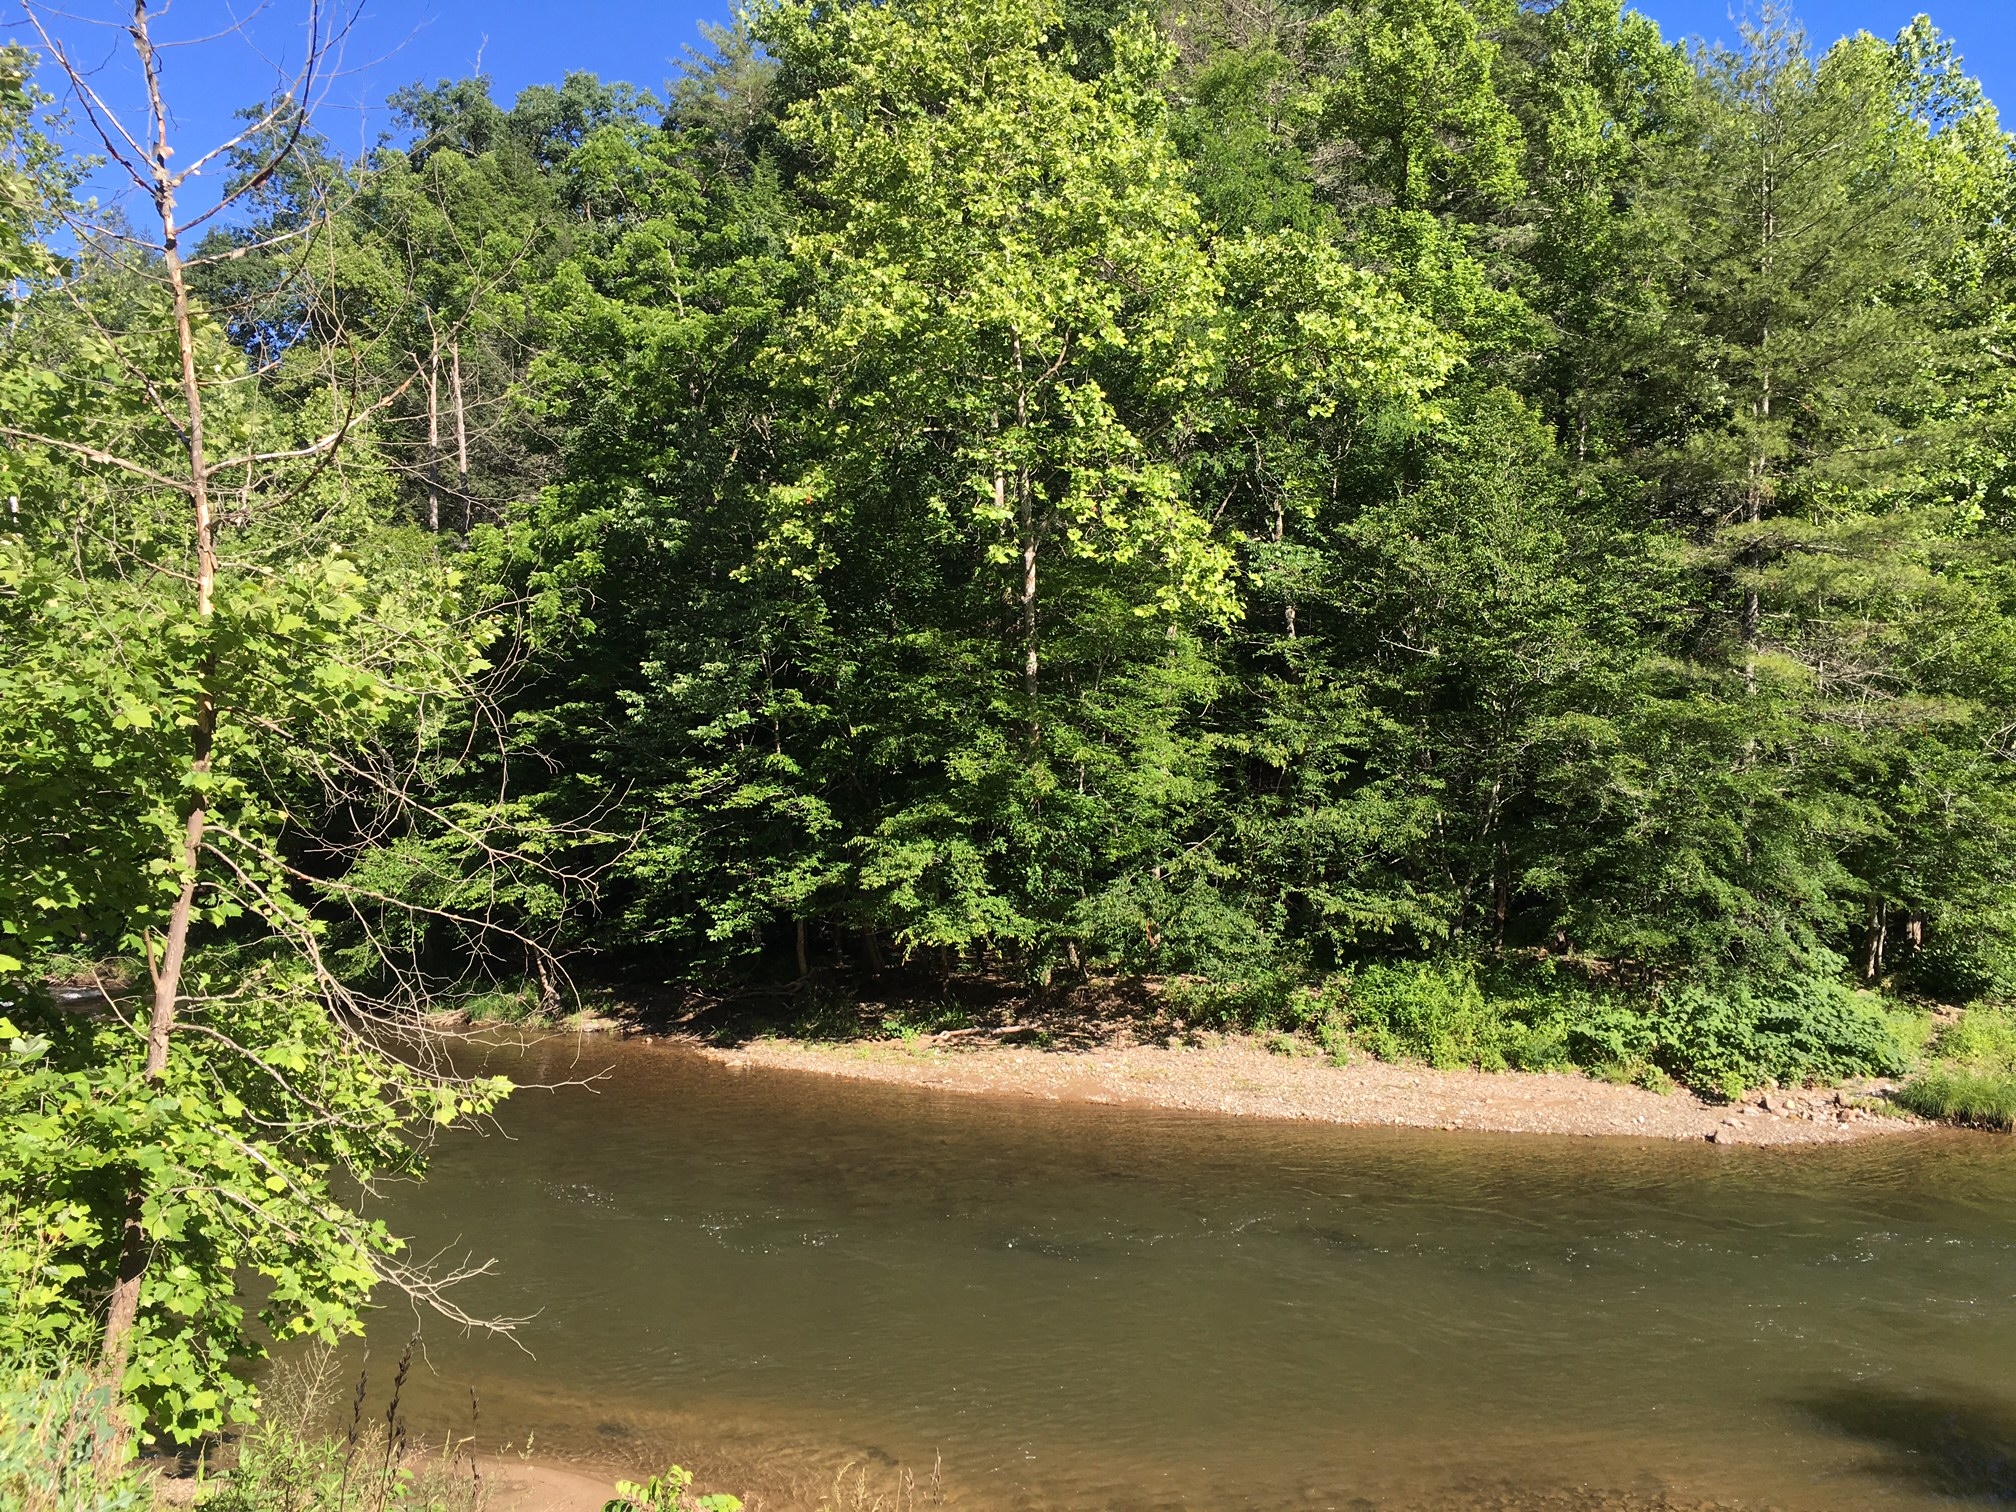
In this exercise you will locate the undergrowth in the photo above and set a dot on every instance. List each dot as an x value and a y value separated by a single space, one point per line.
1723 1037
56 1454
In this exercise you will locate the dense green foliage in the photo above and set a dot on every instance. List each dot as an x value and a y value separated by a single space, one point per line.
1210 495
1460 526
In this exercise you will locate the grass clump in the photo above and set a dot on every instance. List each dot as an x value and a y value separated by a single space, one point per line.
1972 1075
1982 1099
503 1005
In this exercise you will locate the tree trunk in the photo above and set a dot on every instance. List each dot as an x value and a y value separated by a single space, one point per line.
1501 895
1758 483
461 437
123 1309
1010 616
1280 534
874 948
434 440
1025 511
1029 663
798 938
1753 608
1872 950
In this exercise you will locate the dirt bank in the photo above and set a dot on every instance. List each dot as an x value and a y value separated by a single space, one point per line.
1244 1076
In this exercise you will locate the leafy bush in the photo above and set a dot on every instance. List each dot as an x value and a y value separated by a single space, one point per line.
1724 1036
1143 924
1735 1034
236 1163
1960 967
667 1493
1440 1012
56 1454
1274 998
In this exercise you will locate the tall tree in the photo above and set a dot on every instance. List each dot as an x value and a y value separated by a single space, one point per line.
219 653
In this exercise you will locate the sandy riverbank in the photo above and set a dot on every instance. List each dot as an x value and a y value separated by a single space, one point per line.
1244 1077
532 1486
513 1485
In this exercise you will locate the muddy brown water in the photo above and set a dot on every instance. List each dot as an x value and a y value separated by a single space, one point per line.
776 1278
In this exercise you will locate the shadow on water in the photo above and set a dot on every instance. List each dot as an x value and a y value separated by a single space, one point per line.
1938 1440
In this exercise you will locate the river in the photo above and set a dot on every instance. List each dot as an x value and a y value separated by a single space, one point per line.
772 1276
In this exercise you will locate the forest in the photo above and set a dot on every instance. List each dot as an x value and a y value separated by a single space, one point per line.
1468 526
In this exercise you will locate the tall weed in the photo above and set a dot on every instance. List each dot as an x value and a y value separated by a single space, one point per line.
287 1462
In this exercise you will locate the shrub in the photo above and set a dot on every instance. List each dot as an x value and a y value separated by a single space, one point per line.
1270 999
1723 1036
667 1493
1187 926
1962 967
1441 1013
1738 1033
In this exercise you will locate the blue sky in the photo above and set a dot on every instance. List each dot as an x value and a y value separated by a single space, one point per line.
520 42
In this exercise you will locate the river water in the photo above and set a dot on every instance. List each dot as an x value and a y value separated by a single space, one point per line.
771 1277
